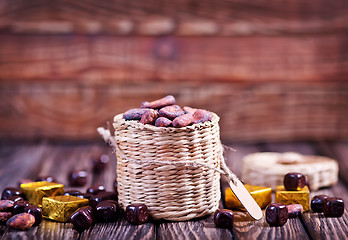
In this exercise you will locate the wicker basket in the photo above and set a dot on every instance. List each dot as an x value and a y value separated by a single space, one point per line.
166 168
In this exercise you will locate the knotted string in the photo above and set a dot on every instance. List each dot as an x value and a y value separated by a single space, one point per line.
106 134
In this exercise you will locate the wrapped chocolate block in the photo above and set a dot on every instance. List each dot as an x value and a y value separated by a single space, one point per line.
293 197
35 191
60 208
262 196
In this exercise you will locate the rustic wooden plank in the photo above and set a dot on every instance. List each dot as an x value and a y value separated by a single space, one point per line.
196 229
19 162
231 17
134 59
246 228
69 110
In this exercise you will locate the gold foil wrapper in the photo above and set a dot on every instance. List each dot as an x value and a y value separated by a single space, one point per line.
60 208
262 196
292 197
35 191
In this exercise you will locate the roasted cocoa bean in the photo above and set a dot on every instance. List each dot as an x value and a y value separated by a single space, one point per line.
6 205
166 101
137 213
19 206
4 216
223 218
134 114
36 212
82 218
317 203
163 122
189 109
10 192
149 117
201 115
294 181
183 120
100 163
294 210
22 221
77 178
95 189
333 207
106 211
171 112
276 214
102 196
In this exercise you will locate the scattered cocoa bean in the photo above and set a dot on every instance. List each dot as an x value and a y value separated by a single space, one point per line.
4 216
171 112
19 206
163 122
189 109
10 192
183 120
6 205
149 117
36 212
294 210
134 114
166 101
22 221
201 115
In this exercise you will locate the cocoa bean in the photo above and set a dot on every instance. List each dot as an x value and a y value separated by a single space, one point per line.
149 117
294 210
134 114
189 109
22 221
201 115
4 216
183 120
163 122
6 205
166 101
171 112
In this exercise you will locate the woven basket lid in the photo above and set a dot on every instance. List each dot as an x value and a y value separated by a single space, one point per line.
268 169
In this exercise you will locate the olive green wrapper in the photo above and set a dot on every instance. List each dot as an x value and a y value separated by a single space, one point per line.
35 191
60 208
262 196
293 197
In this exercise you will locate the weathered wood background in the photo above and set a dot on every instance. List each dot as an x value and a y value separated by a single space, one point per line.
271 70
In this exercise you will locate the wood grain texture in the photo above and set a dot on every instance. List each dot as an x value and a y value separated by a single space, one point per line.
197 229
73 111
194 18
103 58
57 159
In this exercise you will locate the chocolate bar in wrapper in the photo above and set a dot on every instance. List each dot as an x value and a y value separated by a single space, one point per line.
60 208
262 196
293 197
35 191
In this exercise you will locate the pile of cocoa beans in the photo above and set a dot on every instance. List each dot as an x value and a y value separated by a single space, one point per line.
164 113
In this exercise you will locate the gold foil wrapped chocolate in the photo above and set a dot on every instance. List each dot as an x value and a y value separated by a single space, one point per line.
262 196
293 197
60 208
35 191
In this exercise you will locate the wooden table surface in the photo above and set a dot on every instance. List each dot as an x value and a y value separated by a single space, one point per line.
30 161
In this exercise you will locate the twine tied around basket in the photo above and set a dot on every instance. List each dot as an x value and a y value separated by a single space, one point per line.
225 171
